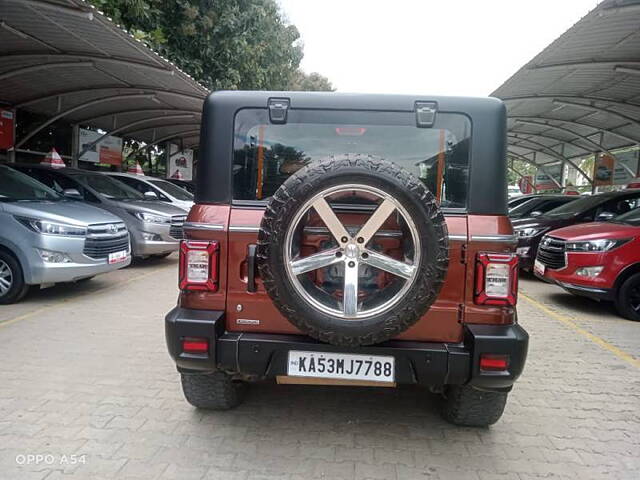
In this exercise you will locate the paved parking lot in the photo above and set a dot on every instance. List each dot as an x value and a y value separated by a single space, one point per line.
86 383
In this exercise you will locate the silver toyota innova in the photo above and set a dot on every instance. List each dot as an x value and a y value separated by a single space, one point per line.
155 227
46 238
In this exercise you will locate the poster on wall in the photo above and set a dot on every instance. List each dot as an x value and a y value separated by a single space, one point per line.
180 165
603 170
626 167
107 151
526 184
550 178
7 126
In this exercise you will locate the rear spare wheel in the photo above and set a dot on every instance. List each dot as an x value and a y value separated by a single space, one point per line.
353 250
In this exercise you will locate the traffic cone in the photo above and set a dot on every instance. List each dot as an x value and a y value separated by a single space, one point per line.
53 159
137 169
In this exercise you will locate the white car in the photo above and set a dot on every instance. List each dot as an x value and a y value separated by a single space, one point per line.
159 188
513 191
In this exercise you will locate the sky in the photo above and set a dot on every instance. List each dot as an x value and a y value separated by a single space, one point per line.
444 47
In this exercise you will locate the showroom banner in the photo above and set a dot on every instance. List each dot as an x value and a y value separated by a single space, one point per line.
603 170
526 184
545 178
107 151
7 127
626 167
180 164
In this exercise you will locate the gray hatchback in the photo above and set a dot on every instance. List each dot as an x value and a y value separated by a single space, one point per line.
47 239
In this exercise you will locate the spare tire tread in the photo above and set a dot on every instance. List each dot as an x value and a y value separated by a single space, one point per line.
427 284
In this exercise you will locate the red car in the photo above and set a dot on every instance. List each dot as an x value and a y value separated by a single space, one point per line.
599 260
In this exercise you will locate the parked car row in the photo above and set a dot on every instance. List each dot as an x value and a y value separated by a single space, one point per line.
589 246
68 225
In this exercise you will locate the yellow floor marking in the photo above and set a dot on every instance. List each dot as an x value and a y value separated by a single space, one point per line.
73 300
577 328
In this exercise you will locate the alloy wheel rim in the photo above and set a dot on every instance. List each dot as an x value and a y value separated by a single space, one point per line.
351 250
6 277
634 298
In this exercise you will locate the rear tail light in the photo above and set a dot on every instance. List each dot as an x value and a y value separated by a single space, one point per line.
198 266
195 345
494 363
496 279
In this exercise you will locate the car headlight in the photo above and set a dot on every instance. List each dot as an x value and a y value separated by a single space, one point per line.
528 232
601 245
151 218
52 228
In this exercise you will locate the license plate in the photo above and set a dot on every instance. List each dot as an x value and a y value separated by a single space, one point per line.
538 267
117 257
373 368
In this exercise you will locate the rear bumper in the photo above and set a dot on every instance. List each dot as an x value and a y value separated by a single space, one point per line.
426 363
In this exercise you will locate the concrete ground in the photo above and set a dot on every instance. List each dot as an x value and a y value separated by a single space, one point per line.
87 391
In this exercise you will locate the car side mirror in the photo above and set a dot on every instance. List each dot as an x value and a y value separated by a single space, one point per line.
149 195
72 193
535 213
605 216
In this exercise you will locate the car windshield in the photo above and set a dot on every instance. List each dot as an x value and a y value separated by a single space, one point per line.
524 207
577 207
109 187
16 186
173 190
630 218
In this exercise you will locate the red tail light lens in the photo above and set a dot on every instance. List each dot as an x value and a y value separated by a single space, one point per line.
489 362
496 279
195 345
198 265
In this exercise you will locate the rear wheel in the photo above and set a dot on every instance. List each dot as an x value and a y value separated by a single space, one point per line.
628 298
12 285
212 391
466 406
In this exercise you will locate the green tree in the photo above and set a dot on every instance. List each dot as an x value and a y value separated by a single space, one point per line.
312 82
521 167
224 44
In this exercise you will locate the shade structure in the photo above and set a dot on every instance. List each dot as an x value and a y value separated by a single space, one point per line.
581 95
67 61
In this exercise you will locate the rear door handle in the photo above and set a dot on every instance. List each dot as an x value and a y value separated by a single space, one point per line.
251 268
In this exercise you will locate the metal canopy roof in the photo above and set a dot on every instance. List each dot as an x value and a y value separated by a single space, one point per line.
66 60
581 94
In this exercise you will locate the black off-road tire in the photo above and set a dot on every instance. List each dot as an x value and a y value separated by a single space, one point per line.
18 288
627 293
212 391
405 188
466 406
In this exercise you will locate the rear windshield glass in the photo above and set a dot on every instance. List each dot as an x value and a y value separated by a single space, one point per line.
265 155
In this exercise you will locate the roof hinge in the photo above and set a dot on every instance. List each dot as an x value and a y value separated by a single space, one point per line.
278 108
426 114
